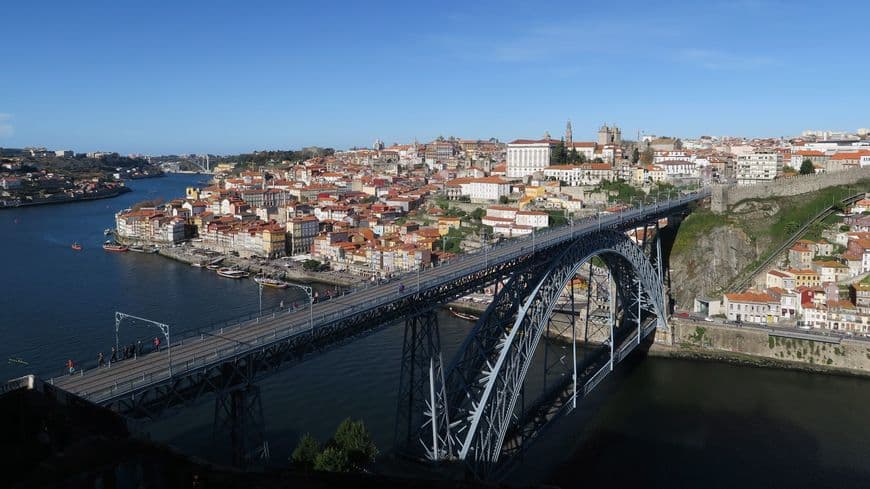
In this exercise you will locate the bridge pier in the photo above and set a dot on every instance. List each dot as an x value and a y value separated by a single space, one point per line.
421 416
239 414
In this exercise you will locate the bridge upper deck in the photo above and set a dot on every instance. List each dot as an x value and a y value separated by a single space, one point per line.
102 385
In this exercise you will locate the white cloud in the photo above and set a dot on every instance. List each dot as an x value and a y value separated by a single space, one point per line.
722 61
6 128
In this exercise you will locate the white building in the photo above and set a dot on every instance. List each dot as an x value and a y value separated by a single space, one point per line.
584 149
751 307
535 219
575 175
675 169
677 155
758 167
479 189
526 156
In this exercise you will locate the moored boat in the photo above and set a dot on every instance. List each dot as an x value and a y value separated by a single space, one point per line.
233 273
109 246
76 246
462 315
143 249
271 282
214 266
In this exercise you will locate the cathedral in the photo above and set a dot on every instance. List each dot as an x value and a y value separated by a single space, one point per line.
609 135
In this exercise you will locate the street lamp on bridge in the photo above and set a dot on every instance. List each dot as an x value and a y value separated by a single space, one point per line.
164 328
310 293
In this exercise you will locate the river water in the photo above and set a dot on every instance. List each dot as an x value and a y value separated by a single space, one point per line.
655 421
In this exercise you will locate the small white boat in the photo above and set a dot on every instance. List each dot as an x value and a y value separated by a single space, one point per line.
462 315
233 273
271 282
143 249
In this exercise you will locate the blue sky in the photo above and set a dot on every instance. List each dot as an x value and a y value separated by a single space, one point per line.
226 77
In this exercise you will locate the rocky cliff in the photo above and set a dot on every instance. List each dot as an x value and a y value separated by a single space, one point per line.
710 251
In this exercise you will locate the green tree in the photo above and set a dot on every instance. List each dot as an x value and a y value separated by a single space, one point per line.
635 156
355 441
477 214
311 265
306 451
557 218
559 155
503 199
807 167
332 459
647 156
574 156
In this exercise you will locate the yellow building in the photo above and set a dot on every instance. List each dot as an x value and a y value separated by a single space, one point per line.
445 224
805 278
274 241
535 192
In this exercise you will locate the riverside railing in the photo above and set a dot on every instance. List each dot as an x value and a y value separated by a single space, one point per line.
242 345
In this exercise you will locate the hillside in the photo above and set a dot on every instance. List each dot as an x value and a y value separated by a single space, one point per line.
710 251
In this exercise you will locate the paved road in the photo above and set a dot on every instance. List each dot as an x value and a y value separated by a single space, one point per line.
106 383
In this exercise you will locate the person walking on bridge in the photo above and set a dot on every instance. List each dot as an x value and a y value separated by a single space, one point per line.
114 357
156 343
101 361
71 366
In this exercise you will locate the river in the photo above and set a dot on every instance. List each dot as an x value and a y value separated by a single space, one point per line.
656 421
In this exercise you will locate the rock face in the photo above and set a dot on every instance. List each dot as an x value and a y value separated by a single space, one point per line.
711 264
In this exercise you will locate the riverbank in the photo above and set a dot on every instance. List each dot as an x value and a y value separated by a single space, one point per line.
760 347
66 199
268 269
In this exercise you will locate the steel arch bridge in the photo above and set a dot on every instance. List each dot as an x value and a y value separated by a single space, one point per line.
472 413
476 409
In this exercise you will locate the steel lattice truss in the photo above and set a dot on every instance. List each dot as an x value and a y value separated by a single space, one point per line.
152 401
486 378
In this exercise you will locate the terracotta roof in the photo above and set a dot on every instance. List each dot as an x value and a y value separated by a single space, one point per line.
535 141
755 297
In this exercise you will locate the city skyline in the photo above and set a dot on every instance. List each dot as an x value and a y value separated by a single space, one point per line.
223 80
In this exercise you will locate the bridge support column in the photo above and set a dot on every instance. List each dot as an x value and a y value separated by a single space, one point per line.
666 309
421 414
239 414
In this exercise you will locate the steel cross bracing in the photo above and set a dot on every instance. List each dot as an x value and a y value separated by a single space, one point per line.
421 387
239 414
490 369
204 363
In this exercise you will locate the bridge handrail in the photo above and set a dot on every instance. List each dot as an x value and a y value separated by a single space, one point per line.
471 262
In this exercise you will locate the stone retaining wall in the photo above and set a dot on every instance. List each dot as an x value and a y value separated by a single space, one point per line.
717 340
725 196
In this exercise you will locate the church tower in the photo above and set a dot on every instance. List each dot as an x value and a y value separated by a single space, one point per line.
603 135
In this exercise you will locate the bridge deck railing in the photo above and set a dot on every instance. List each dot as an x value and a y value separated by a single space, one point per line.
471 263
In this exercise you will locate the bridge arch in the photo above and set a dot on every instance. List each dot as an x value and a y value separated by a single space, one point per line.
509 332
